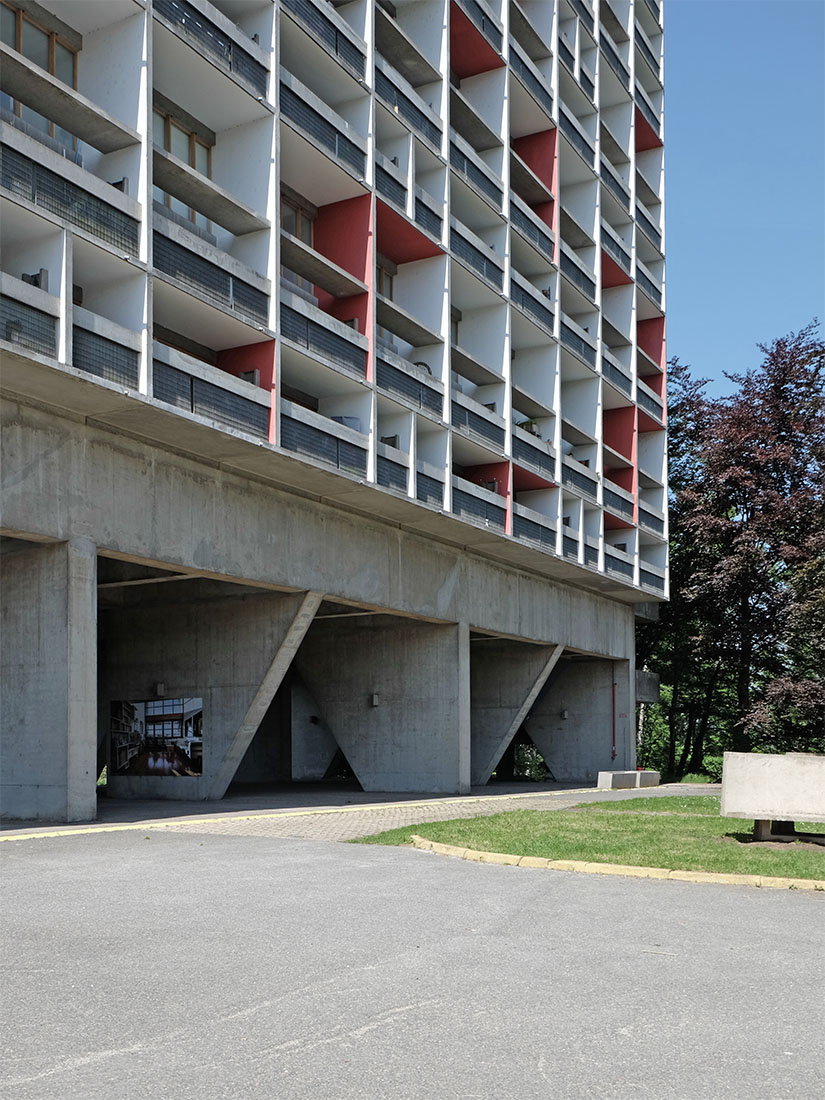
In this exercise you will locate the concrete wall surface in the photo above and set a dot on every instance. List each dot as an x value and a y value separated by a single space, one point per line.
767 787
396 697
572 721
219 651
48 672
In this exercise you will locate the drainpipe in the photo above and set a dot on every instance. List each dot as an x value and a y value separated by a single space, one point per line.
613 719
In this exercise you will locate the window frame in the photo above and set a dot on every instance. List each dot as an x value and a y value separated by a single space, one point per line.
193 140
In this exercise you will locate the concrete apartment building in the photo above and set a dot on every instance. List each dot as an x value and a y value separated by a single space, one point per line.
333 390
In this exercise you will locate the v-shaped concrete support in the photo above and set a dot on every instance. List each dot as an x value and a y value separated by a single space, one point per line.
265 694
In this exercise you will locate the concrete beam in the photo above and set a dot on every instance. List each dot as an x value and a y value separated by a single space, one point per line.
506 678
218 205
265 694
48 670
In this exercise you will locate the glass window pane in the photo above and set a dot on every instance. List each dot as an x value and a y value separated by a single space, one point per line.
159 130
34 119
306 229
64 136
8 24
202 221
289 219
201 159
35 44
179 207
180 143
64 64
158 195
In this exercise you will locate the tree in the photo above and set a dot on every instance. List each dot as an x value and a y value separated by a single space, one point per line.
740 645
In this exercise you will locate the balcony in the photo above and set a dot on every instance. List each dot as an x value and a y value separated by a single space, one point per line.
203 390
524 28
533 453
644 279
105 349
67 191
217 39
323 337
403 100
615 373
611 54
650 401
574 475
573 131
571 266
477 256
311 435
68 109
185 183
533 527
481 16
301 258
651 520
429 484
617 188
646 50
531 228
591 552
531 302
575 339
647 226
397 320
211 274
570 543
428 213
585 13
652 577
468 121
28 316
617 500
393 42
322 127
654 7
472 368
649 112
531 79
390 181
614 247
322 23
525 183
477 423
392 468
410 383
618 563
478 505
479 176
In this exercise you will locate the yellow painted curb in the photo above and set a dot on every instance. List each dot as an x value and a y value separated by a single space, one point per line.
583 867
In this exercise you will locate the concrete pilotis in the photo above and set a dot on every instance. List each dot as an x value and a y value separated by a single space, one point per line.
48 669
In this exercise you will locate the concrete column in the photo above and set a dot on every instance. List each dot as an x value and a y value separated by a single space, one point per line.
48 671
506 679
395 695
586 704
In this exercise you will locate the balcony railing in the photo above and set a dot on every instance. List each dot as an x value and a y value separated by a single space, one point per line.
25 177
616 186
429 485
591 552
530 77
401 99
570 544
649 401
531 526
28 327
567 56
400 378
476 254
326 337
581 142
618 501
571 266
314 436
210 279
647 52
572 338
532 452
328 134
477 504
531 227
114 357
488 27
574 477
388 181
644 220
614 61
213 42
647 284
477 423
650 521
210 393
648 111
588 83
650 579
426 214
655 9
324 30
468 164
390 472
611 244
525 297
615 374
618 563
585 13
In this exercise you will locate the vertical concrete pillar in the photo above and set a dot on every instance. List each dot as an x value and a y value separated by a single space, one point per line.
48 671
395 694
584 712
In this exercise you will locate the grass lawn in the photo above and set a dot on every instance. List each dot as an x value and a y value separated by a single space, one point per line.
681 832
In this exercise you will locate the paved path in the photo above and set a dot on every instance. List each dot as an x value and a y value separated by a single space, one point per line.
342 821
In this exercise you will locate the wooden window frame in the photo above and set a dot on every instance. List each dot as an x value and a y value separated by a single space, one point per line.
54 38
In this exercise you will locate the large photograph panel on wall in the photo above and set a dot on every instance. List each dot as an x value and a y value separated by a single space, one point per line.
157 737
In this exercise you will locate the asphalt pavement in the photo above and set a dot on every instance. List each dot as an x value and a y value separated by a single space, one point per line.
158 964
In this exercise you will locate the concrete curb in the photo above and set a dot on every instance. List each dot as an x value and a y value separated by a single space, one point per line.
585 868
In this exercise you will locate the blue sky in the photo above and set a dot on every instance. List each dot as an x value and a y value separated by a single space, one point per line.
745 177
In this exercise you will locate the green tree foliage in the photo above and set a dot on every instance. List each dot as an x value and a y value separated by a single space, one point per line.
741 646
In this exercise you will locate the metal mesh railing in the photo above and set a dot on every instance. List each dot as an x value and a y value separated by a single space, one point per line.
651 522
616 186
429 490
651 580
648 403
477 426
470 506
406 109
104 358
213 41
615 502
528 228
483 22
317 338
617 377
212 281
616 251
649 287
427 218
571 131
29 327
536 533
395 381
616 63
176 387
534 309
531 82
322 130
577 480
538 458
473 256
614 564
325 31
307 440
574 342
392 475
47 189
474 175
388 186
575 274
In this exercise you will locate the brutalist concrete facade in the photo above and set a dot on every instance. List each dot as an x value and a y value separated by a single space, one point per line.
333 381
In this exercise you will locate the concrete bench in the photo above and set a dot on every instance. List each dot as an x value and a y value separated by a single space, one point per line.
617 781
776 791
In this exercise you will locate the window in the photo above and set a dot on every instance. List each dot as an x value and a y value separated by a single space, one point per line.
45 49
171 134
